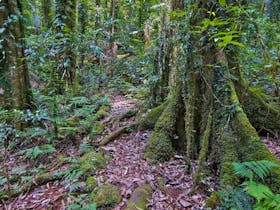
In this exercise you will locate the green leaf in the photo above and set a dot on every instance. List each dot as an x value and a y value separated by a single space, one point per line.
257 190
223 3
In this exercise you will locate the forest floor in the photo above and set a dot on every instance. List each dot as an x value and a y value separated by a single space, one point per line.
128 169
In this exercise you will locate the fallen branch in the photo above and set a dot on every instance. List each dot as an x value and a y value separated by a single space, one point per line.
117 133
37 181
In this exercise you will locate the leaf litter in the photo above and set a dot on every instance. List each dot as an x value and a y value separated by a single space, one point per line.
128 169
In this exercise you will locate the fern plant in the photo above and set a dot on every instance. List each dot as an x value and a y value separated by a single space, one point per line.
260 168
263 196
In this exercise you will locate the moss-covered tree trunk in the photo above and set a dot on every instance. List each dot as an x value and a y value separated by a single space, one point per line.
211 112
15 85
166 46
66 23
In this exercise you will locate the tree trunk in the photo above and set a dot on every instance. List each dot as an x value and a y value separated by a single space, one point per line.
211 112
46 8
164 58
15 86
113 45
83 22
66 14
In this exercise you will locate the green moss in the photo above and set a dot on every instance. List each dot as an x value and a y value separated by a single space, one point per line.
161 184
261 113
151 118
204 148
101 114
139 198
91 183
98 128
168 118
228 155
106 195
248 145
105 108
212 201
159 147
92 161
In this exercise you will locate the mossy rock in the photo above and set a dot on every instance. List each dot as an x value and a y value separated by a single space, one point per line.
92 161
101 114
106 195
159 147
139 198
105 108
149 121
91 183
212 201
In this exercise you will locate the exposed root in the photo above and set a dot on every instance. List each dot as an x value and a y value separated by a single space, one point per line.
204 149
37 181
116 134
128 114
262 114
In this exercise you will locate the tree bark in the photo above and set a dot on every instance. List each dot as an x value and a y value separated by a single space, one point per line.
66 14
209 112
46 8
15 86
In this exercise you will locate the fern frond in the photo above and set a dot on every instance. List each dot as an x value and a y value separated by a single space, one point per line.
257 190
261 168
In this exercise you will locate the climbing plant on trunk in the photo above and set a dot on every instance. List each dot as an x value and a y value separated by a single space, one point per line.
211 112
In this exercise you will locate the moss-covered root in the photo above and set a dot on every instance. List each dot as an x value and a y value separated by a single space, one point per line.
149 121
204 149
229 154
159 147
262 114
116 134
128 114
139 198
243 144
106 194
38 181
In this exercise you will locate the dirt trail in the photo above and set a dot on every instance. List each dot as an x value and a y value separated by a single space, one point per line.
127 169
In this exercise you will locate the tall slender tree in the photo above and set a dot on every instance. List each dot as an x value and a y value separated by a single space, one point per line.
15 85
66 23
47 11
